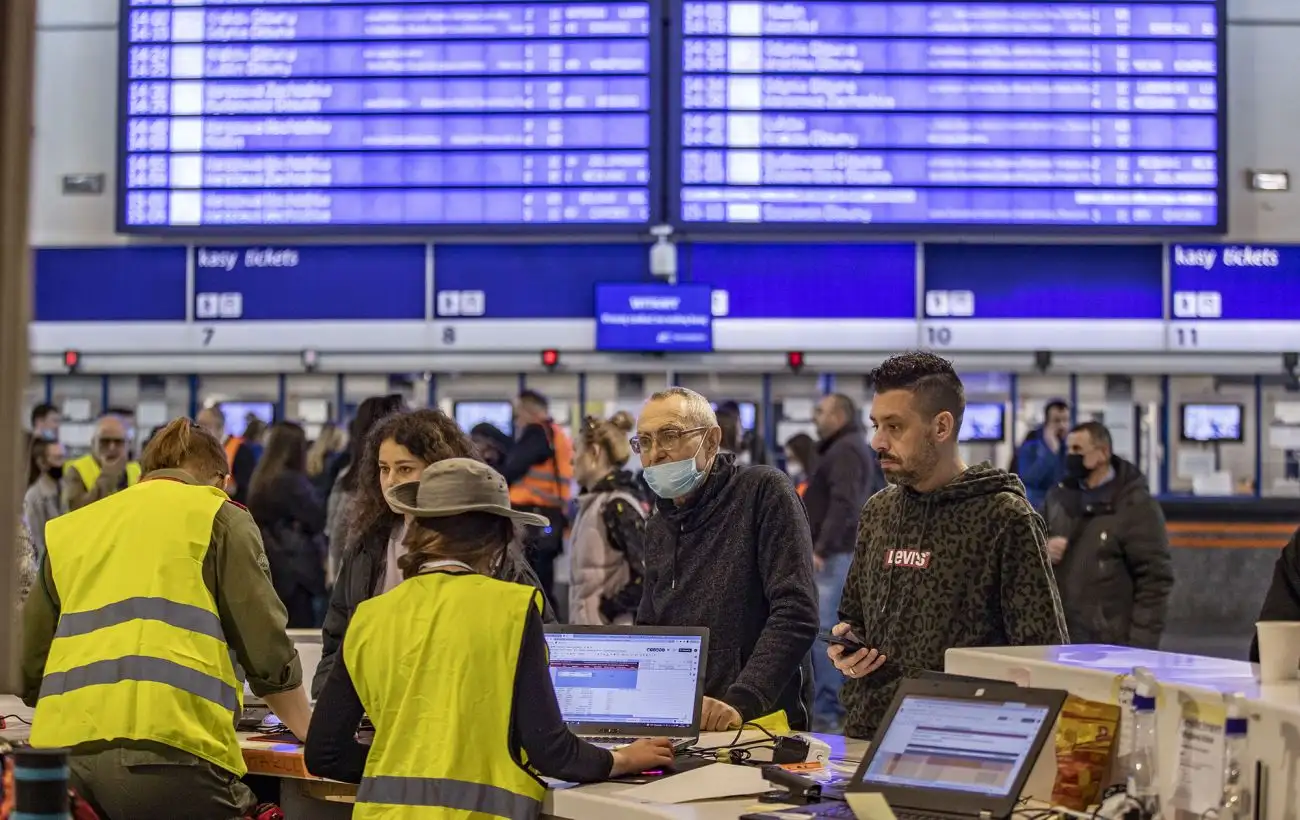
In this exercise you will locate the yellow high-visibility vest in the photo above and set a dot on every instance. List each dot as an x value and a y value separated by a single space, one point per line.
139 652
434 663
89 470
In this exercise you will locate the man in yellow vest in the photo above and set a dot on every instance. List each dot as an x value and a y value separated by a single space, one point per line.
105 470
148 605
539 470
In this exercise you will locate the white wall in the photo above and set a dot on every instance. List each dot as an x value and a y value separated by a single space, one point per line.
76 120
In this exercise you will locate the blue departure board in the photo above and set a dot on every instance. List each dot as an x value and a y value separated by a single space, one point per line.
1102 115
422 114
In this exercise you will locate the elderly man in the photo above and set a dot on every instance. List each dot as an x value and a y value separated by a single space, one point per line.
728 548
102 472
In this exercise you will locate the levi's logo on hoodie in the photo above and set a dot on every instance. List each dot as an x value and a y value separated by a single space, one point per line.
907 558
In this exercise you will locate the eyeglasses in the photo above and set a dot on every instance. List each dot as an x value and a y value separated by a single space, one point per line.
667 439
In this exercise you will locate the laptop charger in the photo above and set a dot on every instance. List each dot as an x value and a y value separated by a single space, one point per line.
792 749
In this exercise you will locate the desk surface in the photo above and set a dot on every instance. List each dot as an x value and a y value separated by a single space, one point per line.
597 801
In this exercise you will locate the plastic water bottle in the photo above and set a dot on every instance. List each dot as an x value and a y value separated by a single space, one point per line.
1235 802
1144 770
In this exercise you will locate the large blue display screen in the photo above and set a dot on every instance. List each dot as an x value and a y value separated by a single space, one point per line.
275 114
836 114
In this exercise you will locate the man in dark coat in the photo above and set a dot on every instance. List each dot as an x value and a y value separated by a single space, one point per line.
1109 545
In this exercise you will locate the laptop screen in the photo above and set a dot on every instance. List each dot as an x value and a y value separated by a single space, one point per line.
642 680
956 744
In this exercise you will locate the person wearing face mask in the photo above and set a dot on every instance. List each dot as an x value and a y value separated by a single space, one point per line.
146 602
948 556
43 501
1109 545
728 548
105 470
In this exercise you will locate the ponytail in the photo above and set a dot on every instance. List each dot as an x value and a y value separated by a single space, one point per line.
183 445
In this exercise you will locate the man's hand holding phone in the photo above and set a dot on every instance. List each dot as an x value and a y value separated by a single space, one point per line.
854 663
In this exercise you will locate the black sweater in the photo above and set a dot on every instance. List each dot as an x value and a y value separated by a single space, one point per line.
332 749
744 532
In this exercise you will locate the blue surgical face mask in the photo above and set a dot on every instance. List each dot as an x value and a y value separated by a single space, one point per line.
674 479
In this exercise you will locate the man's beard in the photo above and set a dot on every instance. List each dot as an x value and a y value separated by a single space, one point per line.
918 468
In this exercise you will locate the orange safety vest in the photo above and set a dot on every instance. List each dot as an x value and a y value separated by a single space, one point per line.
548 483
232 447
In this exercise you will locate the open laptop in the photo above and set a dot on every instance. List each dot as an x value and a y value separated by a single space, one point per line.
616 684
951 749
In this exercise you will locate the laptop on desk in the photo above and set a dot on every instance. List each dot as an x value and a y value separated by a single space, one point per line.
950 749
616 684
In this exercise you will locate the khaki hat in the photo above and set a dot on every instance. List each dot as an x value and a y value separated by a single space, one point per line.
458 485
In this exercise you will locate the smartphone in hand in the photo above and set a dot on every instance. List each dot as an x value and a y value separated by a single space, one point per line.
848 640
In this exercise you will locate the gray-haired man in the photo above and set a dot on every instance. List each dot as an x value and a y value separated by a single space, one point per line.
727 548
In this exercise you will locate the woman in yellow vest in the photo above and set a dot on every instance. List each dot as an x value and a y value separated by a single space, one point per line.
145 602
451 667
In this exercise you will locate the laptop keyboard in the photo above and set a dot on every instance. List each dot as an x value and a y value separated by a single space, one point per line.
841 811
607 742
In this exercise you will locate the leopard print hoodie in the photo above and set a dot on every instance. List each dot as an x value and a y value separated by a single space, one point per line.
965 565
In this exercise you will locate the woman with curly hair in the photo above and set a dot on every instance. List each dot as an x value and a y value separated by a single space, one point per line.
396 451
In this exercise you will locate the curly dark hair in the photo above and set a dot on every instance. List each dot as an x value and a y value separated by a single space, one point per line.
430 435
929 378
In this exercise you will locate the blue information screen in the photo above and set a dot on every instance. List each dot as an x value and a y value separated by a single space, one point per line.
1104 114
275 114
806 280
654 318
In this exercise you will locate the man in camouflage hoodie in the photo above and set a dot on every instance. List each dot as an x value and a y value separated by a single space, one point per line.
948 556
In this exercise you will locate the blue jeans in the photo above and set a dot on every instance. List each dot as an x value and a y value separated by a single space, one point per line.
827 680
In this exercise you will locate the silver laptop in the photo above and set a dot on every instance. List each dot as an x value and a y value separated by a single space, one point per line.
616 684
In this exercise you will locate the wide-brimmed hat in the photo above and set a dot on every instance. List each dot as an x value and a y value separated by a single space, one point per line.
455 486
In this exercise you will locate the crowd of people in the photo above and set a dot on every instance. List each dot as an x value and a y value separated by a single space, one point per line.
427 555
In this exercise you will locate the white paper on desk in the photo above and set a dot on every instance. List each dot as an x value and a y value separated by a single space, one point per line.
869 806
1200 756
717 782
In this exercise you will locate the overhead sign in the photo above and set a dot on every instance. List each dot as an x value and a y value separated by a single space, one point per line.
309 282
110 284
1234 298
530 281
1043 297
807 296
654 318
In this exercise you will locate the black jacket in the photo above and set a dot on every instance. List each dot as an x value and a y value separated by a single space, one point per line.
363 566
1117 573
737 558
1282 603
291 517
845 476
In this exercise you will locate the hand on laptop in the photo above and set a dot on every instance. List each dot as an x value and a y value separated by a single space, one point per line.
643 755
857 664
718 716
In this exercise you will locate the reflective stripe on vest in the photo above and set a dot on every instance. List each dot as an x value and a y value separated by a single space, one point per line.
446 794
448 751
550 483
89 470
139 626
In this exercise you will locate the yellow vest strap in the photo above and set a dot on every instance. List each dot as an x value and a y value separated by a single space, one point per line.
181 616
457 795
142 668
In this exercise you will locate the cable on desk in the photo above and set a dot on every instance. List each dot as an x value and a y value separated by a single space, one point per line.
15 717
